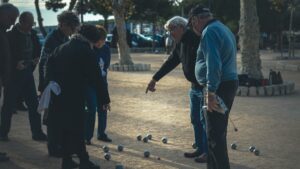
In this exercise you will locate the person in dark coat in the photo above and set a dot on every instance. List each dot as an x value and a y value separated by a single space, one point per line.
72 66
25 48
68 23
8 16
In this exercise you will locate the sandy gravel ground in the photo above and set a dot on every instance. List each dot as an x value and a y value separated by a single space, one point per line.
269 123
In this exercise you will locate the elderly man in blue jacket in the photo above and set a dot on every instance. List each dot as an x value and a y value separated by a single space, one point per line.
216 68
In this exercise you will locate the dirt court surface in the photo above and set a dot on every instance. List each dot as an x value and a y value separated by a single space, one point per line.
269 123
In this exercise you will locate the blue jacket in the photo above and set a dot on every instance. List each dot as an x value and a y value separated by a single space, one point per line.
216 56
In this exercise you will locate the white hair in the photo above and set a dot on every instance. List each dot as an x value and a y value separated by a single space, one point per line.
176 21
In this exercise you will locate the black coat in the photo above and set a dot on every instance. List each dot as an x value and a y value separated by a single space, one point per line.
4 57
73 65
185 53
16 45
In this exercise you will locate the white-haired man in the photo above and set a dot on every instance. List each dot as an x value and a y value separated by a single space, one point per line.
187 43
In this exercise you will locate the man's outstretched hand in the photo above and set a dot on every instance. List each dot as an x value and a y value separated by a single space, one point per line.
151 86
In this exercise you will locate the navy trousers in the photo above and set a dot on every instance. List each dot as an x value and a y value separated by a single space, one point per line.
216 128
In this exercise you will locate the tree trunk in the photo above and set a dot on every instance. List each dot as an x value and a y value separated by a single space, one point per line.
72 5
290 31
249 40
81 11
124 52
39 18
105 22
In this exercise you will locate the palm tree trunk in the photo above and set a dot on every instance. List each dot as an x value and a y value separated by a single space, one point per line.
124 52
105 22
290 31
39 18
249 40
72 5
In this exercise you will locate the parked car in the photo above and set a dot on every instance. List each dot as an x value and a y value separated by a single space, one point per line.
142 41
159 38
137 40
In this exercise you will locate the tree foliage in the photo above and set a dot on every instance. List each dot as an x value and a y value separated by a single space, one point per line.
55 5
151 11
103 7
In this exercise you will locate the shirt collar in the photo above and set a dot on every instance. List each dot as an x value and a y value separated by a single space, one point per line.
209 22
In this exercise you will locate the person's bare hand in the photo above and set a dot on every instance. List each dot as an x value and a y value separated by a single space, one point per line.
106 107
20 65
151 86
212 102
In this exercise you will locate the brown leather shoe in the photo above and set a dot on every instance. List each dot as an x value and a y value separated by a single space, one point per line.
192 155
202 158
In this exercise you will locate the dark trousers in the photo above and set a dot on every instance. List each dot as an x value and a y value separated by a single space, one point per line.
54 144
92 105
216 128
73 143
22 83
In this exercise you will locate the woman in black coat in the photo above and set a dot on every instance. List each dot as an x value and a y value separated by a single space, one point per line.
73 66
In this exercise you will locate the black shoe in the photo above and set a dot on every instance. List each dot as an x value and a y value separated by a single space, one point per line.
69 164
39 137
201 159
4 158
105 139
192 155
88 142
4 138
21 107
88 165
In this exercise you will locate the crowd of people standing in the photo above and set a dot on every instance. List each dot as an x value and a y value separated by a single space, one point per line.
76 59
